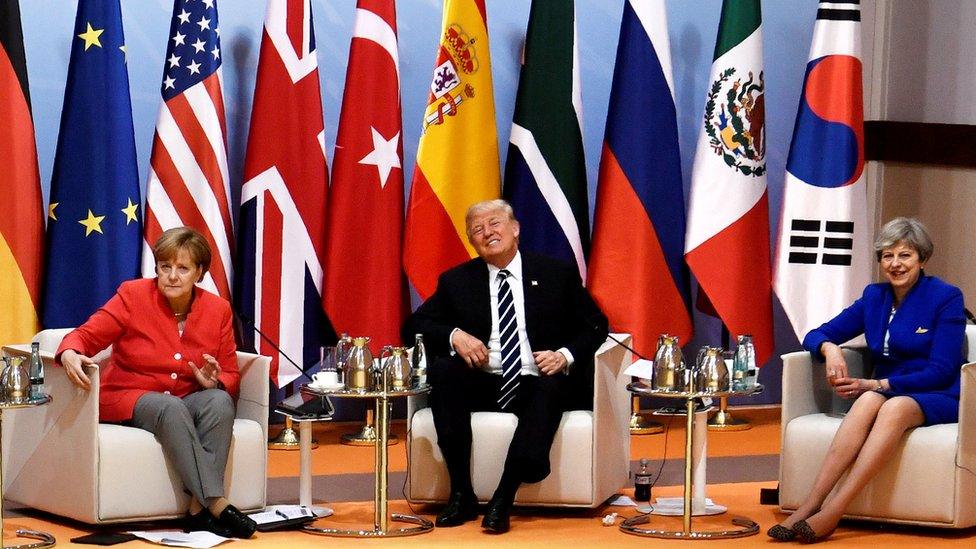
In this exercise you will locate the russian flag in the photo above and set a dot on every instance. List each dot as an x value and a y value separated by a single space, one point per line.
637 271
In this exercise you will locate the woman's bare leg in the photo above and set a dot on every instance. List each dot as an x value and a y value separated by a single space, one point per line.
896 416
843 450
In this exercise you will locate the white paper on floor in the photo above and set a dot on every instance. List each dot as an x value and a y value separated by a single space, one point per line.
177 538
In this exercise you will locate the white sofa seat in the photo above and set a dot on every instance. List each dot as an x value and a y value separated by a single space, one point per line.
590 455
929 479
58 458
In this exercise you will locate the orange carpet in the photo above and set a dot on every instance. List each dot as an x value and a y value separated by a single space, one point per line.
557 528
543 528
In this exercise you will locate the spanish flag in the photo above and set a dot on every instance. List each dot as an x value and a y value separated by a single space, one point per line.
21 225
457 158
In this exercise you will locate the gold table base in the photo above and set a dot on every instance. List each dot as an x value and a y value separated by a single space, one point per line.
288 438
367 435
639 425
423 525
723 420
746 527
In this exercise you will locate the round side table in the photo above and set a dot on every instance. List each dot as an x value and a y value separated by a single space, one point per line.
742 526
382 518
45 539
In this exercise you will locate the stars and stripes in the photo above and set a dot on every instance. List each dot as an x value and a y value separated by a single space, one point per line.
188 180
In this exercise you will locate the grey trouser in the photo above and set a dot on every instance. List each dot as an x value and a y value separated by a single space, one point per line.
195 433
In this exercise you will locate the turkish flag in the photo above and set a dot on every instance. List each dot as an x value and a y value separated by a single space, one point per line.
365 292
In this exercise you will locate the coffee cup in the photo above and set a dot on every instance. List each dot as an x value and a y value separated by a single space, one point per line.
325 379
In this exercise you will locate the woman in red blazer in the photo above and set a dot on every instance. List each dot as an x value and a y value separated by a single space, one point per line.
173 372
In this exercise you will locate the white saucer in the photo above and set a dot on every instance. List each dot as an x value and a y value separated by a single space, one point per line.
316 387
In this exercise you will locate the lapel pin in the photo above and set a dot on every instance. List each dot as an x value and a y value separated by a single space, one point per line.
535 282
921 330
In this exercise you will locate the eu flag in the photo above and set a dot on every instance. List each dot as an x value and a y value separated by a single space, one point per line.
94 229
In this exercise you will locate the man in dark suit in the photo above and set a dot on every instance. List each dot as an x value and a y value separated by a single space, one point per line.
513 332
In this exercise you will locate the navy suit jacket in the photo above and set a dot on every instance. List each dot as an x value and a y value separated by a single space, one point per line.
925 341
559 312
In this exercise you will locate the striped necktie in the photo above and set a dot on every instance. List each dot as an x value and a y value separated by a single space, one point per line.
508 336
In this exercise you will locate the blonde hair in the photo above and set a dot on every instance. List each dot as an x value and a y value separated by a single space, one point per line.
494 205
183 238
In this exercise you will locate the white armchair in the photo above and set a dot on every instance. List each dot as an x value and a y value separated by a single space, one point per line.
590 456
59 459
929 480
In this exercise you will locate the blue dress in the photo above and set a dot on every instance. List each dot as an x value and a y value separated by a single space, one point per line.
925 343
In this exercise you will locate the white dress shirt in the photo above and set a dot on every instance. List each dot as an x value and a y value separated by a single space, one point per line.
515 279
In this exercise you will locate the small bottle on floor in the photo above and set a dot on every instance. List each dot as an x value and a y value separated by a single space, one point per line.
642 482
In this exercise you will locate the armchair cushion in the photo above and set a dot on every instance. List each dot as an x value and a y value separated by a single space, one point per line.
590 455
928 480
67 463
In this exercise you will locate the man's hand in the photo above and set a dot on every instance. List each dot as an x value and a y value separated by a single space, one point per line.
208 375
470 348
549 362
73 363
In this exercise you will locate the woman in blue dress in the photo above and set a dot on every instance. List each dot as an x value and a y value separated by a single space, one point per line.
914 325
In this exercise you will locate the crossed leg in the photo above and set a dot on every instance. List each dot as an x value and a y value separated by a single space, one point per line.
847 443
896 416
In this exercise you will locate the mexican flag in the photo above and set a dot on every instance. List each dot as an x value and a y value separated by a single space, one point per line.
727 237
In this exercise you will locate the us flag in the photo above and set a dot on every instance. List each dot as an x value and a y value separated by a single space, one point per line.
188 182
282 223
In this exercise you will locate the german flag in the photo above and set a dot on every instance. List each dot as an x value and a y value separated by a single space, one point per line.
21 225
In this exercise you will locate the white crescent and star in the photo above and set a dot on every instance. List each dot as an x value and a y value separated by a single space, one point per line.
384 155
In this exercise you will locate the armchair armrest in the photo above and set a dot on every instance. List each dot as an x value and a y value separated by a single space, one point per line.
966 452
55 447
611 416
805 387
252 403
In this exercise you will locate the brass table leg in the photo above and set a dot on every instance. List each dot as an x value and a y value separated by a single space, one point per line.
632 525
723 420
381 516
689 427
638 424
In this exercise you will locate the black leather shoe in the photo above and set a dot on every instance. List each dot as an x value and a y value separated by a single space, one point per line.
240 525
205 522
461 507
496 516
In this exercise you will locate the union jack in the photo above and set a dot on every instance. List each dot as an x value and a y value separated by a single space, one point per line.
188 183
282 223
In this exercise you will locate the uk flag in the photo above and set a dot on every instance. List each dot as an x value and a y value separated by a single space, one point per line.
282 222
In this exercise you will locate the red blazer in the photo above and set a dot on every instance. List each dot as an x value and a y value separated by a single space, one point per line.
148 353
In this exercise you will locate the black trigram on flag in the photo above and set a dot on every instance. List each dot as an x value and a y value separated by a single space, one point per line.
830 241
